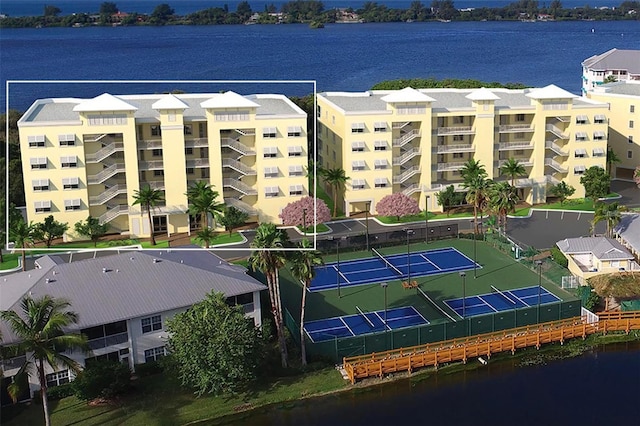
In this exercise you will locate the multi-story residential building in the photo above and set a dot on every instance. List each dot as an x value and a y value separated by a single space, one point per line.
125 322
416 141
624 124
621 65
88 156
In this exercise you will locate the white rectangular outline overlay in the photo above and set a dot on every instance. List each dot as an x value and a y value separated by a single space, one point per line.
226 248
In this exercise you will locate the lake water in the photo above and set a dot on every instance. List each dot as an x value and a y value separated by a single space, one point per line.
599 388
338 57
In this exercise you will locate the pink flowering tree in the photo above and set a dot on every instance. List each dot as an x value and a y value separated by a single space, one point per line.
294 213
397 205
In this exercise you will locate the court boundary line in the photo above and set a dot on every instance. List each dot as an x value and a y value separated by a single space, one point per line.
429 261
489 304
348 328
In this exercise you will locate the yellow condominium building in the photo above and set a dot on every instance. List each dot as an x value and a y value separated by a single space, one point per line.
416 141
624 124
87 156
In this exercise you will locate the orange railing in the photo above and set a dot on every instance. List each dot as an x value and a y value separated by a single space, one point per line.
461 349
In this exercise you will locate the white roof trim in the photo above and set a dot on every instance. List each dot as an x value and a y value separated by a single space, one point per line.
103 103
169 102
407 94
550 92
229 100
482 94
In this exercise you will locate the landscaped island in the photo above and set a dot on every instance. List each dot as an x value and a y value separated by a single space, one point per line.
313 12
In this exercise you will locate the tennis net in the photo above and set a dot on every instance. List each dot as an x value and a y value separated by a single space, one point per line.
386 262
497 290
426 296
365 317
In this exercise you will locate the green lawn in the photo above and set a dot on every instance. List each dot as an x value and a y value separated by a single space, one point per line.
311 229
10 261
159 400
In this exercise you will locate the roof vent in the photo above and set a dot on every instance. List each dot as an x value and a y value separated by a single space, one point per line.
117 270
54 272
181 261
104 270
46 281
156 260
131 258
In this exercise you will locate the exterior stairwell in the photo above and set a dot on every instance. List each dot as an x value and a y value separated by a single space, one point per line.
239 186
406 138
406 156
406 174
104 152
237 146
112 213
238 166
106 173
107 195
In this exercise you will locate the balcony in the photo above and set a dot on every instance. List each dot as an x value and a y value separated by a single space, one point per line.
154 184
104 152
555 165
103 342
239 186
457 130
238 166
515 128
441 186
196 143
150 144
151 165
444 149
510 146
198 163
523 161
13 363
406 138
447 167
556 148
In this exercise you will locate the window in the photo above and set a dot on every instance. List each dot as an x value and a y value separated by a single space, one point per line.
380 145
357 146
270 152
381 182
36 141
190 170
57 379
295 170
157 152
629 154
520 117
188 129
582 119
458 119
295 190
578 170
231 116
358 184
154 354
599 152
270 172
294 131
631 124
271 191
69 161
40 184
202 130
581 136
599 119
357 128
38 162
155 130
599 136
171 117
458 138
70 205
380 127
158 172
632 109
150 324
380 164
67 140
630 139
188 151
42 206
458 155
295 151
358 165
319 111
70 183
269 132
107 120
580 153
519 152
411 110
519 135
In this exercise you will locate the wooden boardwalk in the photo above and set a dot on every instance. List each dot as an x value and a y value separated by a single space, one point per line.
461 349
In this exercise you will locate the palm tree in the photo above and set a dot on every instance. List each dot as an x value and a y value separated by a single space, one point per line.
148 198
513 168
503 199
471 169
336 178
22 234
612 158
206 236
477 194
203 201
269 259
39 329
608 212
302 268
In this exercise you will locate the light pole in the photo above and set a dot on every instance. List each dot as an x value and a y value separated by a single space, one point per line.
304 221
366 221
384 286
539 263
426 220
409 232
464 295
475 257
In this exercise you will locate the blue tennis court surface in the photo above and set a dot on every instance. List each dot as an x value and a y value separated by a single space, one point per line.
496 302
353 325
374 270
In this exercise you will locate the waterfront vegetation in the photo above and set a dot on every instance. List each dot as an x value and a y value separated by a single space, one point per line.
314 13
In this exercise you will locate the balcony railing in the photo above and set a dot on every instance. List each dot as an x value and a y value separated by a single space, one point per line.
522 161
13 363
106 173
467 147
151 165
406 174
441 186
103 342
198 163
196 143
443 167
555 165
515 128
107 194
406 156
456 130
239 186
556 148
507 146
237 146
104 152
149 143
557 131
238 166
406 138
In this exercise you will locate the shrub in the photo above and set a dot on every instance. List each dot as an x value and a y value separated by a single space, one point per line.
148 369
559 258
62 391
293 214
104 379
397 205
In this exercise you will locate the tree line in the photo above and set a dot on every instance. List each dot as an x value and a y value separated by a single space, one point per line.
298 11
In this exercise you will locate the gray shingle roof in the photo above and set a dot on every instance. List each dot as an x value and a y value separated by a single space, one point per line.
601 247
629 229
132 284
615 59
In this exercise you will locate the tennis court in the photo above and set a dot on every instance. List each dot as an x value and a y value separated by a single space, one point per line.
363 323
389 268
501 300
